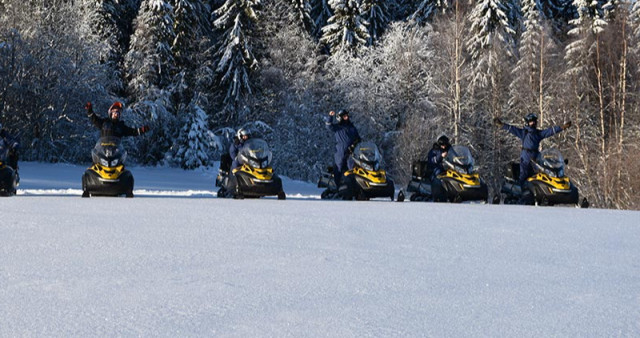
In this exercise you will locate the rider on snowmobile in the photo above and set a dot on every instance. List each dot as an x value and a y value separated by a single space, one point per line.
531 138
113 126
12 143
435 157
346 139
242 136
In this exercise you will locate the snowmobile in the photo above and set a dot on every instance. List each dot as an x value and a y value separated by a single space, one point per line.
366 180
8 176
254 177
548 185
108 176
460 181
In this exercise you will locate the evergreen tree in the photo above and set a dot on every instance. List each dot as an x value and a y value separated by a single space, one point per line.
491 31
376 13
302 15
346 29
194 143
187 31
150 62
427 9
529 86
105 18
320 14
237 19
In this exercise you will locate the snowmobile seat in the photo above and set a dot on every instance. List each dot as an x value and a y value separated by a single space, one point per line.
513 170
420 170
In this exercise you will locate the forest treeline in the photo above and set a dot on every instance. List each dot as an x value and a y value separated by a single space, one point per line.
407 70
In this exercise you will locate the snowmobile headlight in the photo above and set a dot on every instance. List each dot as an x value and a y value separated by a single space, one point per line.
265 164
114 162
104 162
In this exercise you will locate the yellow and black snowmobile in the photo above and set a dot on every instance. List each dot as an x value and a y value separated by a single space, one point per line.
460 181
548 186
8 176
108 176
254 177
366 180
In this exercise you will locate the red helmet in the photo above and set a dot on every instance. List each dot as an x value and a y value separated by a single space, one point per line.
116 105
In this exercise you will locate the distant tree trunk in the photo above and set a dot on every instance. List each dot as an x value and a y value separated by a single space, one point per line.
603 136
457 65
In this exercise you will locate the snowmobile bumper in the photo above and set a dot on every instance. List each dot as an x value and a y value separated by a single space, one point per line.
252 186
8 180
546 194
362 187
459 191
96 183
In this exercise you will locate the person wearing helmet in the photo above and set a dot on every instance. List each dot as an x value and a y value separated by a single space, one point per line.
13 145
435 157
242 136
347 137
531 138
112 125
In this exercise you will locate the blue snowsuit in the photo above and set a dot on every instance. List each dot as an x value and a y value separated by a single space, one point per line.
13 144
234 149
346 135
531 138
434 163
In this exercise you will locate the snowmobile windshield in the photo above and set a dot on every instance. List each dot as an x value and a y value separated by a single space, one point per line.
367 156
255 153
551 162
109 152
459 159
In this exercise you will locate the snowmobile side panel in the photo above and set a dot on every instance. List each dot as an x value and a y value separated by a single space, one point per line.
8 182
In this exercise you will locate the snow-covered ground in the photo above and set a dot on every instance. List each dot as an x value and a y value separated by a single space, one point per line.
175 261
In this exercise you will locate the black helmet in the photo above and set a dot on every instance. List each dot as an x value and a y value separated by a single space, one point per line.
342 113
443 141
243 132
531 117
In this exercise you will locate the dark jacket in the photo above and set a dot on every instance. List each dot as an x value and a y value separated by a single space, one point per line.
346 138
234 149
531 137
434 160
109 127
10 140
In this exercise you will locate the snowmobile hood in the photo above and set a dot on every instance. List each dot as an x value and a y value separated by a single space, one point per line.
109 152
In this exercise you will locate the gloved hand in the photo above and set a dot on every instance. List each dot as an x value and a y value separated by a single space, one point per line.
566 125
89 108
332 113
498 122
143 129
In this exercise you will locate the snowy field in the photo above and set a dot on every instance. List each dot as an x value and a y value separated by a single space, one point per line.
175 261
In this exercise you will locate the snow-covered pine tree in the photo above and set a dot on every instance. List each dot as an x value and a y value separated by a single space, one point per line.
105 17
193 146
376 13
427 9
584 69
491 31
236 18
150 62
187 30
528 89
302 15
320 14
634 19
346 30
